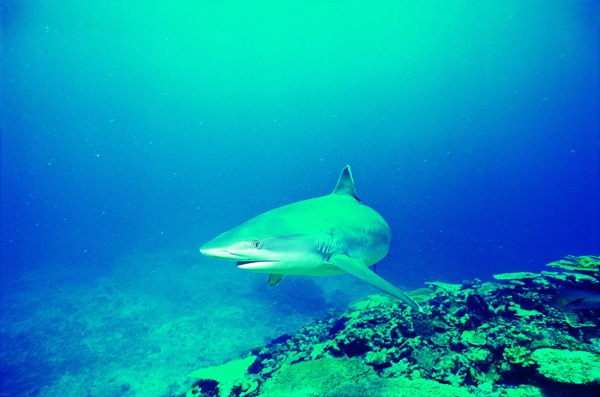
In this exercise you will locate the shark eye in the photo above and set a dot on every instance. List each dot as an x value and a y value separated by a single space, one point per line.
255 244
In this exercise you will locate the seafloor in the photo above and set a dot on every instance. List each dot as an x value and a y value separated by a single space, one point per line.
142 327
524 335
139 326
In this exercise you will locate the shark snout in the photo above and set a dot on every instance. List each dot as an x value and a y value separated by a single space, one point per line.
217 252
220 249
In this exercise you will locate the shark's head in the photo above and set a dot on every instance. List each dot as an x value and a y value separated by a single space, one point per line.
245 253
228 246
266 243
299 238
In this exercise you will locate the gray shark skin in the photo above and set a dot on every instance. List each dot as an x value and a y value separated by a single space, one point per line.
322 236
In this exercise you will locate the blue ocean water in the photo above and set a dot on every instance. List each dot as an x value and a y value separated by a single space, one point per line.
139 130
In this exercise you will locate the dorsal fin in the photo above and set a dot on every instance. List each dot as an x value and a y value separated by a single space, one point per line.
345 183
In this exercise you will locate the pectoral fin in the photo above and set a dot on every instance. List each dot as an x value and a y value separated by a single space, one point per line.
358 269
274 279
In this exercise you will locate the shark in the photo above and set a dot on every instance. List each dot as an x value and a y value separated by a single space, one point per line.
322 236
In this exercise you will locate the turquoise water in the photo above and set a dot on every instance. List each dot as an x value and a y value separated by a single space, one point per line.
134 132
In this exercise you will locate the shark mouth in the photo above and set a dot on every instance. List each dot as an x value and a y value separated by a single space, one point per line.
256 264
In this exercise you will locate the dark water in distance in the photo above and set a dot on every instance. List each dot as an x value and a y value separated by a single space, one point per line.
472 127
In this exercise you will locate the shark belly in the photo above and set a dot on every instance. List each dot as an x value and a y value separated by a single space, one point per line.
321 268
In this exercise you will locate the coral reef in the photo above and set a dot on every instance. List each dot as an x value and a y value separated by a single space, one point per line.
583 263
521 336
566 366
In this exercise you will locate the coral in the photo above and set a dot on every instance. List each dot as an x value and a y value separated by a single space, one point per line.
363 389
488 288
524 391
477 306
370 302
402 387
567 276
476 338
227 374
519 311
583 263
576 320
440 339
478 355
437 285
565 366
423 326
398 387
204 387
516 276
422 294
518 355
376 359
426 358
316 377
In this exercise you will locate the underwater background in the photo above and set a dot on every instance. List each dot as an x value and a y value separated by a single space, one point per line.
133 132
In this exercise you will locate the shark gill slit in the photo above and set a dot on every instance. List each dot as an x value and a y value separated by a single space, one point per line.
326 244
